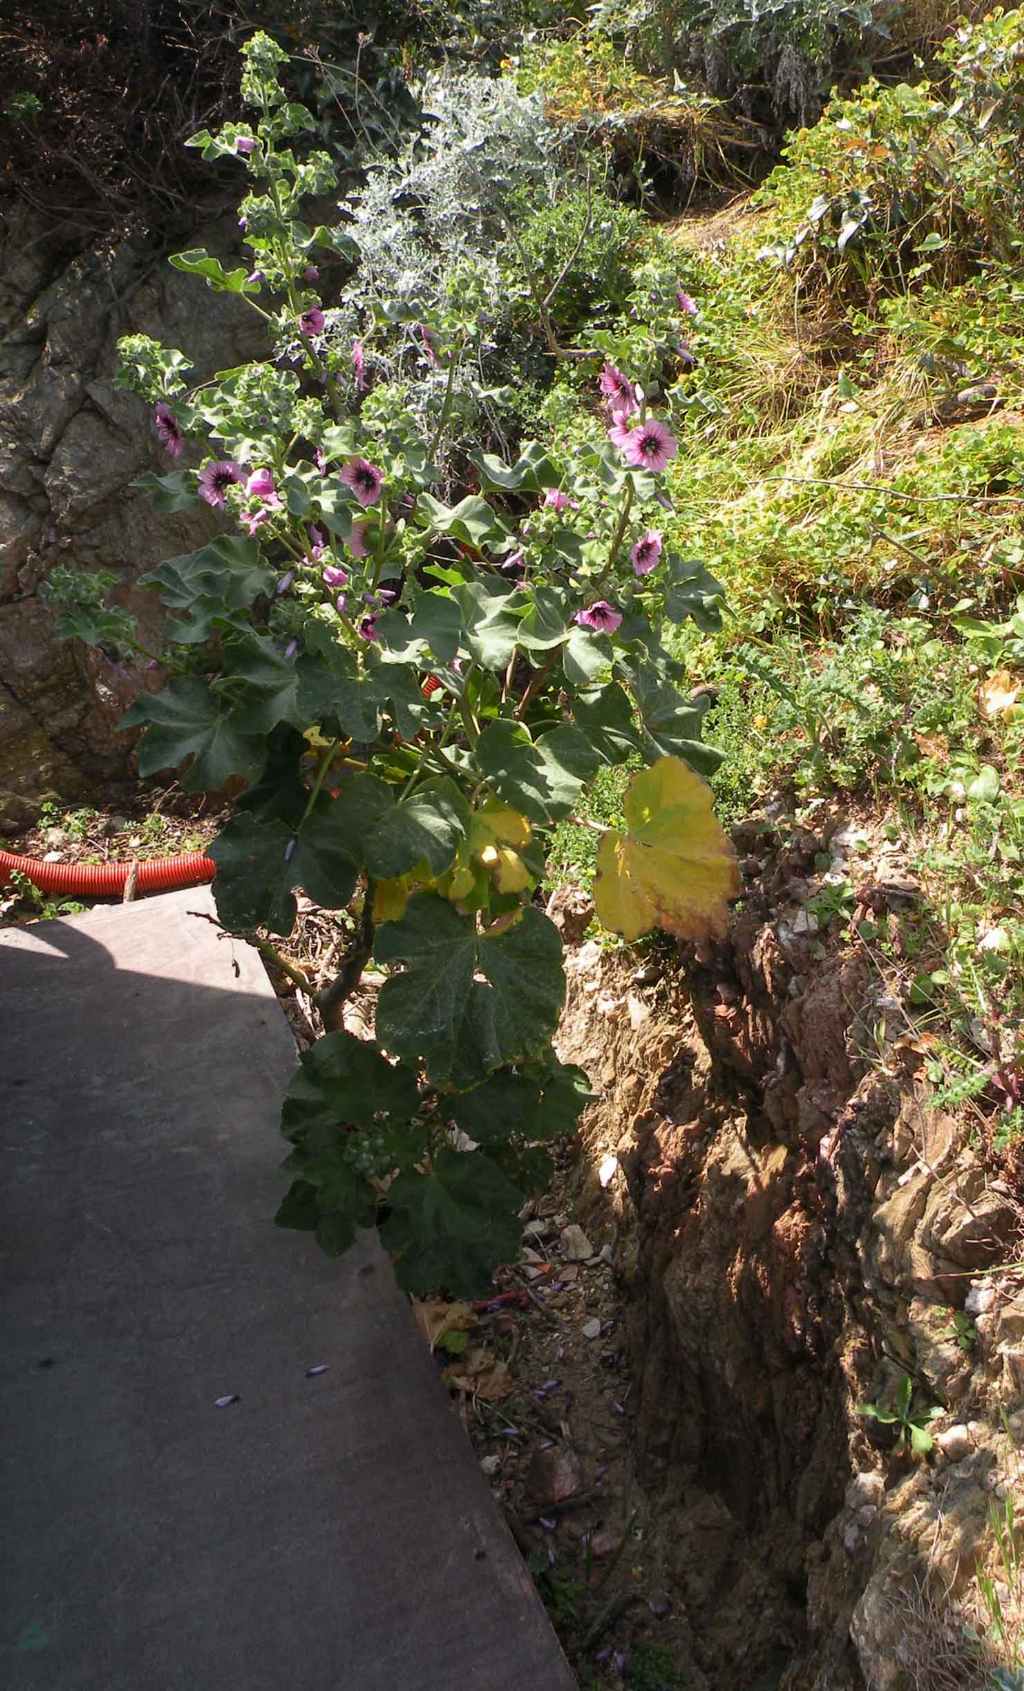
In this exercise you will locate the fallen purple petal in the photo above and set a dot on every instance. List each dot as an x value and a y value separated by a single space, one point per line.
317 1368
225 1402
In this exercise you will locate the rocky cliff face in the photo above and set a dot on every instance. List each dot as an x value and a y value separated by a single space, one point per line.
799 1231
70 444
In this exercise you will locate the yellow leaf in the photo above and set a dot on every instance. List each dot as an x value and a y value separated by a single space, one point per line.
498 823
998 695
391 897
480 1374
510 872
436 1319
674 868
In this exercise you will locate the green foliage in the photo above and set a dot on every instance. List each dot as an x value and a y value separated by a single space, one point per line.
908 184
415 677
589 245
912 1424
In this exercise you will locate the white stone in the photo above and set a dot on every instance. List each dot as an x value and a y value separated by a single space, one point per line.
609 1168
592 1329
955 1443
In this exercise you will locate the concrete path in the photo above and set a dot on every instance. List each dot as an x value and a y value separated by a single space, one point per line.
323 1533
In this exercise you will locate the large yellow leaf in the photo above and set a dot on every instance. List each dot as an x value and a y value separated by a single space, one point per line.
674 867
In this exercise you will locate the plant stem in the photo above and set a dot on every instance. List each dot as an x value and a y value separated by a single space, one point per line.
331 1000
321 773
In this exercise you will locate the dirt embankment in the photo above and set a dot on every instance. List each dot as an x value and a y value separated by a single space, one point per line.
797 1233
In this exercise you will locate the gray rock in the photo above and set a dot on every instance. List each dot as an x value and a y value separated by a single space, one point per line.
70 444
576 1247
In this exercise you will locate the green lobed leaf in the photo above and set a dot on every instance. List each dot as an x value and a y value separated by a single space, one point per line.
389 837
260 862
451 1228
543 778
271 682
523 1104
173 492
437 1011
210 586
343 1080
197 262
606 718
547 621
671 723
492 615
693 592
187 720
532 471
471 520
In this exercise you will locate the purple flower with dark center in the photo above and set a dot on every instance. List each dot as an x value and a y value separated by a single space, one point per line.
368 628
334 576
686 357
600 616
619 434
686 305
255 277
243 224
357 540
389 591
618 391
167 430
284 583
260 484
245 145
311 273
311 322
317 538
646 552
556 499
216 478
650 446
359 364
365 480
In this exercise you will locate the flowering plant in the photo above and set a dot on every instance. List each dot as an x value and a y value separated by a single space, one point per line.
413 693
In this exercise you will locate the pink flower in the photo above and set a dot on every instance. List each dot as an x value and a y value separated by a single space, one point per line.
650 446
260 484
245 145
335 577
252 520
686 305
619 434
342 603
601 616
357 540
557 500
368 628
311 322
359 365
365 480
311 273
427 340
646 552
167 430
618 390
216 478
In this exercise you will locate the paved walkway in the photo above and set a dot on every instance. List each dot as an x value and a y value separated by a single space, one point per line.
325 1532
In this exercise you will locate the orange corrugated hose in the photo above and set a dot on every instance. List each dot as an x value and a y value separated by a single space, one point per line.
107 880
